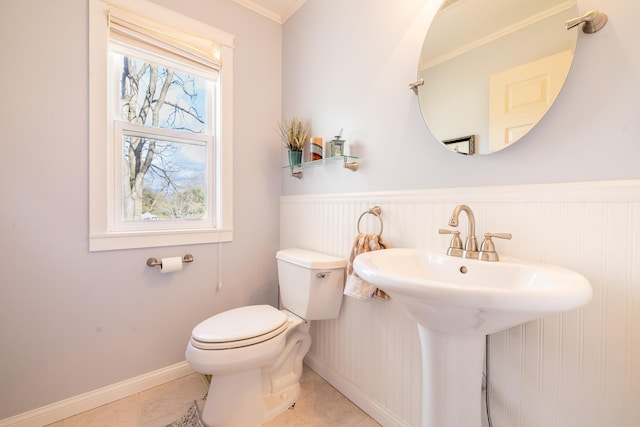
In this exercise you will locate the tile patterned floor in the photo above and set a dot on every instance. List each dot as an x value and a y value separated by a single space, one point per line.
319 405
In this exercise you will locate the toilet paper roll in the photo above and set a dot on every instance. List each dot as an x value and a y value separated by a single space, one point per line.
169 265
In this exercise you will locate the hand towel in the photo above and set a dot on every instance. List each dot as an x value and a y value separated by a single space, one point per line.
355 286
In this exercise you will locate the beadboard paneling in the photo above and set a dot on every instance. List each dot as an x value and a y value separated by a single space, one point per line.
580 368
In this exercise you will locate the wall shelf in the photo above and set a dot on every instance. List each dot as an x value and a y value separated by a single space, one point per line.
348 162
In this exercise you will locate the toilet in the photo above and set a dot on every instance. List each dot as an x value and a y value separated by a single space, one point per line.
255 353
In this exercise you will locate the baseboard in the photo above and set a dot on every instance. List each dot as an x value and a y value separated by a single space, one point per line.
369 405
74 405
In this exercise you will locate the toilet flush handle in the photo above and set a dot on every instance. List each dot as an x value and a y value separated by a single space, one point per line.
323 274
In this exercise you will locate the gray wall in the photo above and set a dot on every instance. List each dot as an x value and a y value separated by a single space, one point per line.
347 65
72 321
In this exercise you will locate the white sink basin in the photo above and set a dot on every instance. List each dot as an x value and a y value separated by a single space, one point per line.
466 296
456 302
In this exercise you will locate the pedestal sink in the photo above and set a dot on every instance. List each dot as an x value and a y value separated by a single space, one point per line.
456 302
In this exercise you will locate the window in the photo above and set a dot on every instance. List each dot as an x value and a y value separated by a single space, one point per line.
162 132
160 128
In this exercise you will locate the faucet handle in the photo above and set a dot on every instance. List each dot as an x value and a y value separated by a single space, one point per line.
499 235
488 249
455 247
456 241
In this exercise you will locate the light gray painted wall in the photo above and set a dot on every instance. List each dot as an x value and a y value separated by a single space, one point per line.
72 321
347 65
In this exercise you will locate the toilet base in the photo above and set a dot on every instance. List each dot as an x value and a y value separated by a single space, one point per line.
234 400
275 404
250 407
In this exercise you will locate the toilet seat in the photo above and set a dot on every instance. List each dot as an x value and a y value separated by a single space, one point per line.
239 327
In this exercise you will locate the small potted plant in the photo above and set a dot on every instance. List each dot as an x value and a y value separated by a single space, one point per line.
294 133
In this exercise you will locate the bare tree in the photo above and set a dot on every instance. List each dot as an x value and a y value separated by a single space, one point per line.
144 91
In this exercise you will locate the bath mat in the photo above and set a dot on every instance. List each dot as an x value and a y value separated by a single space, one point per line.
190 419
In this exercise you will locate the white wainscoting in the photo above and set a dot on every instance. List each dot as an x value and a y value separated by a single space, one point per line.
580 368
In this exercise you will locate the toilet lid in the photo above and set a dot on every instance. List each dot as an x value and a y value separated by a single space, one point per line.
239 327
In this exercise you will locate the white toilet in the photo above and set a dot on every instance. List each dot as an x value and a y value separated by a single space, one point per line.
255 353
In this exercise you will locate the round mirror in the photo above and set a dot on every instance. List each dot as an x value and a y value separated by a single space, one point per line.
492 69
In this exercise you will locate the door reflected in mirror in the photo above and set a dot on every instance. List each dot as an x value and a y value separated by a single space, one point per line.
492 69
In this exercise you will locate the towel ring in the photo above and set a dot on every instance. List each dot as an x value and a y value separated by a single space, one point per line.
373 211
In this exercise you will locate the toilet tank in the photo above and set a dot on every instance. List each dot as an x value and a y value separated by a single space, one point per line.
311 283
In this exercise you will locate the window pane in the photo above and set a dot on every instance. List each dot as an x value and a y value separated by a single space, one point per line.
159 96
163 180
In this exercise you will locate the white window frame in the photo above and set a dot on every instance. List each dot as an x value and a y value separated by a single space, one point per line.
105 232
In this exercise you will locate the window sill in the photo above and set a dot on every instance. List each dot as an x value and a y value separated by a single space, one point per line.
136 240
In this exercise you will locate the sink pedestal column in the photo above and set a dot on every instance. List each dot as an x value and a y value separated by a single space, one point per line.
451 378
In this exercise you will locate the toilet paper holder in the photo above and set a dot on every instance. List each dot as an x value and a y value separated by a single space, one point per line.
153 262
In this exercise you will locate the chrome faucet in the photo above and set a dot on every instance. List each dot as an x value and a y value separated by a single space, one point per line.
471 244
470 249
